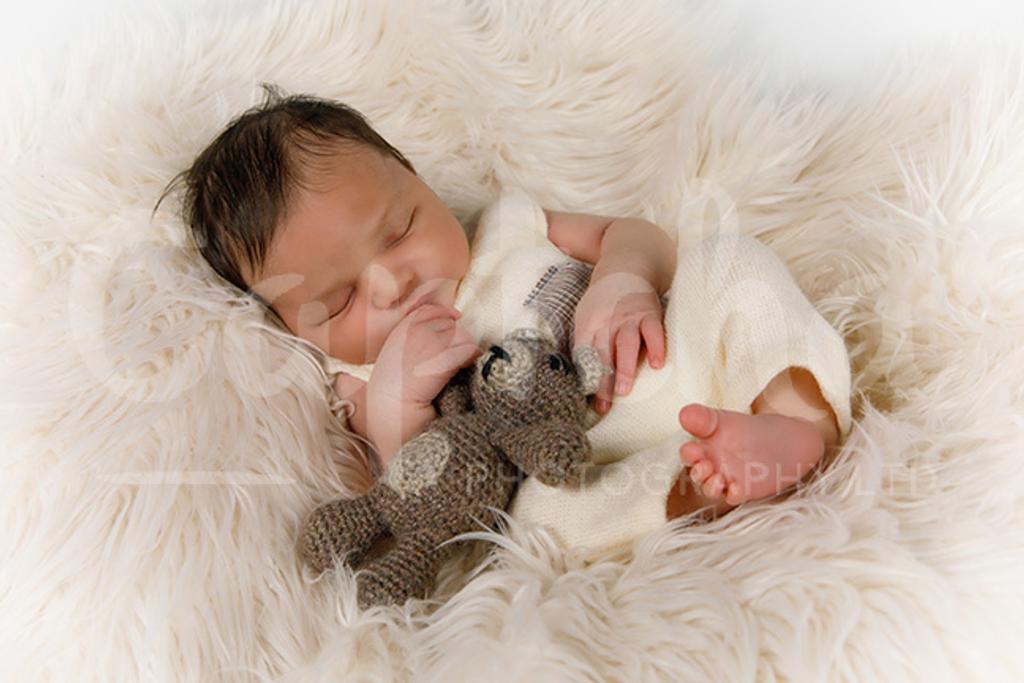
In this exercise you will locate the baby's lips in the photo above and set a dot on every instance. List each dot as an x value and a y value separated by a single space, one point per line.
438 308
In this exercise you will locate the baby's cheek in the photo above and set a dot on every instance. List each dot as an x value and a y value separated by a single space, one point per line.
344 345
371 335
312 325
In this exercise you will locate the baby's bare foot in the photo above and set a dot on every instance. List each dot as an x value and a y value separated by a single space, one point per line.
745 457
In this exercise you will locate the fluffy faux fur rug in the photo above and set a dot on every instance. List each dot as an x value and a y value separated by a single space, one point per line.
161 444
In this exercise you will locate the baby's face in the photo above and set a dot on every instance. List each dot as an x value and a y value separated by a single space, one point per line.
351 259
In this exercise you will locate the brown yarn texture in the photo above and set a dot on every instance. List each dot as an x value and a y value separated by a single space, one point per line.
519 410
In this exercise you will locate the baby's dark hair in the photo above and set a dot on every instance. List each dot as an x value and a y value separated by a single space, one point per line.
237 190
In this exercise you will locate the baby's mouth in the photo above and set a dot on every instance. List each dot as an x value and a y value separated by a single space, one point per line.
424 295
437 291
425 299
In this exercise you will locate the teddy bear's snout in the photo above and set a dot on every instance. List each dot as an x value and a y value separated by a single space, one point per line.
496 353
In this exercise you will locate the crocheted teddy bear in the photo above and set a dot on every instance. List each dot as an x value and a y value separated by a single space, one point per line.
520 408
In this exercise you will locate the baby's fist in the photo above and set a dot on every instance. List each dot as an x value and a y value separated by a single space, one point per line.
422 353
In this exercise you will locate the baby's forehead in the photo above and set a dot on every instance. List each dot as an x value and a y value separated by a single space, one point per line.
320 170
348 207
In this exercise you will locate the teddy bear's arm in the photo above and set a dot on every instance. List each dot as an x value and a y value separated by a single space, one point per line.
553 451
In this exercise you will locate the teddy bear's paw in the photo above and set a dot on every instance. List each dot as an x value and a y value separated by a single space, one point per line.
405 571
343 529
563 468
384 588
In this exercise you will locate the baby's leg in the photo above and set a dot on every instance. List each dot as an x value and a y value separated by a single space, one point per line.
780 395
743 457
735 319
617 502
611 506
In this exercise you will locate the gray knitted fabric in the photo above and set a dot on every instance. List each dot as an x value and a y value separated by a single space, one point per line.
519 409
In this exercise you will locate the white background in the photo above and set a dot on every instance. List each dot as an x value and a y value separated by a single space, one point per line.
833 42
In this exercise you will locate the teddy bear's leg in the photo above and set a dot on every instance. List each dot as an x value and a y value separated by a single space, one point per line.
405 571
343 528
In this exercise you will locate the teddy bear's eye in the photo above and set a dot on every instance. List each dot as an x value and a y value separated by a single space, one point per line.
555 363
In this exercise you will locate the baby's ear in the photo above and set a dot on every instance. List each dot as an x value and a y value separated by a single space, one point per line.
589 368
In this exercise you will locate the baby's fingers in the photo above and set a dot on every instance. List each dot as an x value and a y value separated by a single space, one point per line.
427 312
654 338
627 349
463 336
447 361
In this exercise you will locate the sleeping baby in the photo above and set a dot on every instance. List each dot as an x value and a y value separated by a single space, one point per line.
723 384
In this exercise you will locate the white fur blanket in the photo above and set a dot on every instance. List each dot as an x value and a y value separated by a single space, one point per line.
160 445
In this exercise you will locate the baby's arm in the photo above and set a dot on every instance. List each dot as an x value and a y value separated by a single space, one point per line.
615 245
413 418
634 263
421 354
396 431
353 389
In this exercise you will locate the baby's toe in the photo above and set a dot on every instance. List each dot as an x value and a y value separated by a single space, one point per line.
700 471
691 452
733 495
714 486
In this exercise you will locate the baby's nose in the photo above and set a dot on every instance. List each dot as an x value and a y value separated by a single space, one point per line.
388 288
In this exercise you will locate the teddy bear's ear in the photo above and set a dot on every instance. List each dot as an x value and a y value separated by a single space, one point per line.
589 368
529 334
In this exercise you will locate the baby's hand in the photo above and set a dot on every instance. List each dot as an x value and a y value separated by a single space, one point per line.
616 311
421 354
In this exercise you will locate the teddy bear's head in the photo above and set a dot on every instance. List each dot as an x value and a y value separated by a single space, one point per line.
526 378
